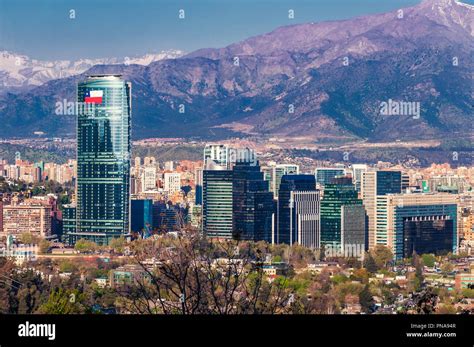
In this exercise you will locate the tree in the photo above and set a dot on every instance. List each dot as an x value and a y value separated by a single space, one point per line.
85 246
428 260
370 264
44 246
365 299
67 266
118 244
195 275
447 267
29 238
382 256
63 301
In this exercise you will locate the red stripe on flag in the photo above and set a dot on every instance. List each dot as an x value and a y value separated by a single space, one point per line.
93 100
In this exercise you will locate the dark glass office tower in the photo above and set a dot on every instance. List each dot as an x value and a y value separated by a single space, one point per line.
287 228
141 216
335 196
252 203
389 182
103 159
427 235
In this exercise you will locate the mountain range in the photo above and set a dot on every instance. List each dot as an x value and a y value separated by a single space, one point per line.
19 72
321 81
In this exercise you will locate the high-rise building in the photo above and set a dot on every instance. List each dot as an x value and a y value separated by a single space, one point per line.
252 206
223 157
279 171
198 181
103 160
337 196
141 215
216 154
374 184
324 175
353 230
357 170
34 218
172 182
421 223
290 215
217 203
148 180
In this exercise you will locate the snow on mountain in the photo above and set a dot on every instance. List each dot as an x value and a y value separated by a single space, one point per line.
20 72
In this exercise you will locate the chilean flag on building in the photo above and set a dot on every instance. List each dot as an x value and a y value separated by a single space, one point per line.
93 96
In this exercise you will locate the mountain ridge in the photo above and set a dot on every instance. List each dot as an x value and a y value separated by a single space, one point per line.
301 67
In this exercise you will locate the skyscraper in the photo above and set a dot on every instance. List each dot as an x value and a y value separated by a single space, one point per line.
324 175
198 180
279 171
103 160
217 203
357 171
336 196
288 223
252 206
374 184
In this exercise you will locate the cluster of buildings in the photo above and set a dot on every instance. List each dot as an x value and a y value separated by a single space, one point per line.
344 209
29 172
231 194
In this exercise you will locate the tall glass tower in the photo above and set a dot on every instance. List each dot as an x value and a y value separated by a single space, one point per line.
103 160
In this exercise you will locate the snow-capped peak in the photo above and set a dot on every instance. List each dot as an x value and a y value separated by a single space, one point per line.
18 71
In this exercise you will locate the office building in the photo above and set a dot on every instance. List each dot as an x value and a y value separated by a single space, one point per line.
148 178
103 160
141 216
357 171
278 172
375 184
198 185
217 203
252 206
421 223
324 175
333 215
172 182
288 227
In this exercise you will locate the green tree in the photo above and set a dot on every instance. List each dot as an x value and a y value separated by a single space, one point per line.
428 260
64 302
118 244
29 238
85 246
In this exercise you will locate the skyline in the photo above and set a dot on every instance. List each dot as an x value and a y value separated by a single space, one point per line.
155 26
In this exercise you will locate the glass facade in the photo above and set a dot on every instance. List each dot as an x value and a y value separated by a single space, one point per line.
217 203
389 182
287 228
103 160
141 216
425 229
325 175
427 236
335 196
252 203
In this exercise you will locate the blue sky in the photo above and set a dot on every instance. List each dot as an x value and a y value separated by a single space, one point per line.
42 29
